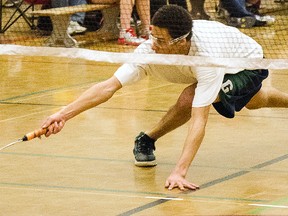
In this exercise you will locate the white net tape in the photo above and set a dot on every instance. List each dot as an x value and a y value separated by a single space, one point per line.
137 58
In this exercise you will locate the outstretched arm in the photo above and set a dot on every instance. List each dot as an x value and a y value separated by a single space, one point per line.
192 143
97 94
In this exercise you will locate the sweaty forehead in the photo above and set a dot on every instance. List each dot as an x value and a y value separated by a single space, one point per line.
160 33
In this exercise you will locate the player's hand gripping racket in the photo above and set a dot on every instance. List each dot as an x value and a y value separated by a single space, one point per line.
27 137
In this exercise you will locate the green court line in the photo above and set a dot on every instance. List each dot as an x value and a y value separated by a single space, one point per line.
119 108
46 90
30 104
188 194
206 185
227 198
253 169
59 105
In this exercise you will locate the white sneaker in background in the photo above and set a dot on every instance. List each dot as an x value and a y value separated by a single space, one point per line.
268 19
75 28
11 3
129 37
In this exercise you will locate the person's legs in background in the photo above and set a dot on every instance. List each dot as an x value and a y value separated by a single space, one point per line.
253 6
235 8
127 34
143 10
237 14
76 19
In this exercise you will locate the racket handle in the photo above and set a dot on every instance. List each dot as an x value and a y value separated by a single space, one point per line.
34 134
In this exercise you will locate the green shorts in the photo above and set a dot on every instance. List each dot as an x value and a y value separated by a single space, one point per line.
238 89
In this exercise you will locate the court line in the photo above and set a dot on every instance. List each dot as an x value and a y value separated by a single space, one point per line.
61 105
81 85
91 192
122 193
80 189
129 161
144 110
165 198
206 185
23 116
275 204
203 186
269 206
40 93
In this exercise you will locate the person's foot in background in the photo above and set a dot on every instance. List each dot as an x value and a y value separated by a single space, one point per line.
76 28
11 3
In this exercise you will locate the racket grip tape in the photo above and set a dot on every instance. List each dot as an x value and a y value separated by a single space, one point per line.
34 134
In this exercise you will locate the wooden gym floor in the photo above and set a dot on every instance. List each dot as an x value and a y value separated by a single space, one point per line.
88 168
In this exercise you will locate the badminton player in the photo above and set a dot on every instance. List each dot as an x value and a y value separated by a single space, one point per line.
227 90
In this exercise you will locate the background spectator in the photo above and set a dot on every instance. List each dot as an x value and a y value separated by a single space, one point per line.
128 35
238 15
77 19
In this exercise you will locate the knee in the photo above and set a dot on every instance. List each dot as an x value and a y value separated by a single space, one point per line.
259 100
184 102
252 106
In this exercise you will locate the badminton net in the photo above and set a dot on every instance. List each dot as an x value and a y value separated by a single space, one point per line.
29 34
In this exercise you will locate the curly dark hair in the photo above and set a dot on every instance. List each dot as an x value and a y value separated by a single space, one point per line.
175 19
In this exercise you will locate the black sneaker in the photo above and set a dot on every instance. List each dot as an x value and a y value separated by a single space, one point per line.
143 151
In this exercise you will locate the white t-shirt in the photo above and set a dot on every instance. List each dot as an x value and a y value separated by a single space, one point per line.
209 39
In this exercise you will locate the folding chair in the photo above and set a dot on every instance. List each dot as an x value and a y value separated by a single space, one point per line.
20 12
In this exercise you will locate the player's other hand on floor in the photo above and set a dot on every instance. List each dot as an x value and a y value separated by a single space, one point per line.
175 180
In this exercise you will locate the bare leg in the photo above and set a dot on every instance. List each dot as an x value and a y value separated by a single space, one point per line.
268 97
143 9
176 116
126 7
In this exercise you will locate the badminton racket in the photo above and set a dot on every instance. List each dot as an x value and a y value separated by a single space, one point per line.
29 136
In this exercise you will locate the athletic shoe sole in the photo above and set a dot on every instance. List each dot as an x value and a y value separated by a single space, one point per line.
145 163
243 22
124 42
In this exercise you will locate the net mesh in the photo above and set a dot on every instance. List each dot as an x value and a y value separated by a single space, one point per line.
21 26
